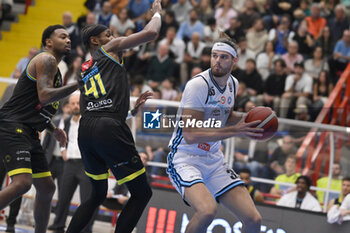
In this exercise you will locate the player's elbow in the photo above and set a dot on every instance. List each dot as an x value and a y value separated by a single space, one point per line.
151 34
43 98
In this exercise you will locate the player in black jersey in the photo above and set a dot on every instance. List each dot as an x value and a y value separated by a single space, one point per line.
24 115
104 139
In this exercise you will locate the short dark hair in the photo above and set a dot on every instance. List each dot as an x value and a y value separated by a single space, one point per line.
346 178
91 30
281 61
48 32
245 170
307 180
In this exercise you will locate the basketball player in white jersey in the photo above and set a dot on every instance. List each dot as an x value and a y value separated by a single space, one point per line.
195 164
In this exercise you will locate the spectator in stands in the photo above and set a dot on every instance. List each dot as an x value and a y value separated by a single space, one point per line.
190 26
289 177
211 32
139 82
176 45
167 21
52 147
249 15
335 183
73 71
315 22
205 58
20 67
281 35
235 30
73 172
301 198
323 87
251 78
117 195
168 89
90 18
334 213
273 86
106 15
74 33
120 24
298 89
345 209
304 40
339 23
316 64
244 53
325 41
23 62
160 67
278 8
182 10
5 9
292 56
194 51
265 60
138 8
144 55
223 15
205 11
257 37
256 195
341 55
118 5
242 97
280 155
94 5
345 190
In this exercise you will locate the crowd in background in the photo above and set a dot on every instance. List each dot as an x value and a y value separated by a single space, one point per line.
291 55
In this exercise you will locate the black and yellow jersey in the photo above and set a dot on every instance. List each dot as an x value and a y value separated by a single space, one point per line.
104 86
24 105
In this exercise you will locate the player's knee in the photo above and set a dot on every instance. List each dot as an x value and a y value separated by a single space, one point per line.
22 186
253 220
207 212
46 188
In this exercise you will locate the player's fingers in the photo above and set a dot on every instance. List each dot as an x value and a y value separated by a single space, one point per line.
251 134
257 130
253 123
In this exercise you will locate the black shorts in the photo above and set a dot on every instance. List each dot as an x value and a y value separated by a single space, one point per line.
105 143
21 150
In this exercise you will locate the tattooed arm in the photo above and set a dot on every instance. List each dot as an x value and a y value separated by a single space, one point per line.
46 68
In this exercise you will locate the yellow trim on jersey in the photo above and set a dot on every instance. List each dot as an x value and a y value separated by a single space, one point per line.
103 176
28 75
131 177
41 175
108 55
19 171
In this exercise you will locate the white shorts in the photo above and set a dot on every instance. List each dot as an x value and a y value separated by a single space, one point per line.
185 170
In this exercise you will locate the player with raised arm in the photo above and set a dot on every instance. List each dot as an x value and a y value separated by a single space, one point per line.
104 139
29 111
195 164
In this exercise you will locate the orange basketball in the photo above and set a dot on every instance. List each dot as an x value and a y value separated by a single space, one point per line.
269 121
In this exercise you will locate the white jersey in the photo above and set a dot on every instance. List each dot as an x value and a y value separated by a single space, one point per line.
203 94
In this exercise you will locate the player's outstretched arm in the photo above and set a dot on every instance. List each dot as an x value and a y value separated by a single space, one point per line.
46 68
194 135
149 33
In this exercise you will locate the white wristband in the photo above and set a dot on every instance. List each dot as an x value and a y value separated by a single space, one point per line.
156 15
62 148
129 115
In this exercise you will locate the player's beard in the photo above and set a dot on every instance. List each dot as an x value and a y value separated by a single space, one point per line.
219 73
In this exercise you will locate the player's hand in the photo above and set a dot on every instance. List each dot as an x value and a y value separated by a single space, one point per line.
60 136
244 129
141 101
156 6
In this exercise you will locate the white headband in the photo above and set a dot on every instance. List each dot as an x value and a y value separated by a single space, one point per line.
220 46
